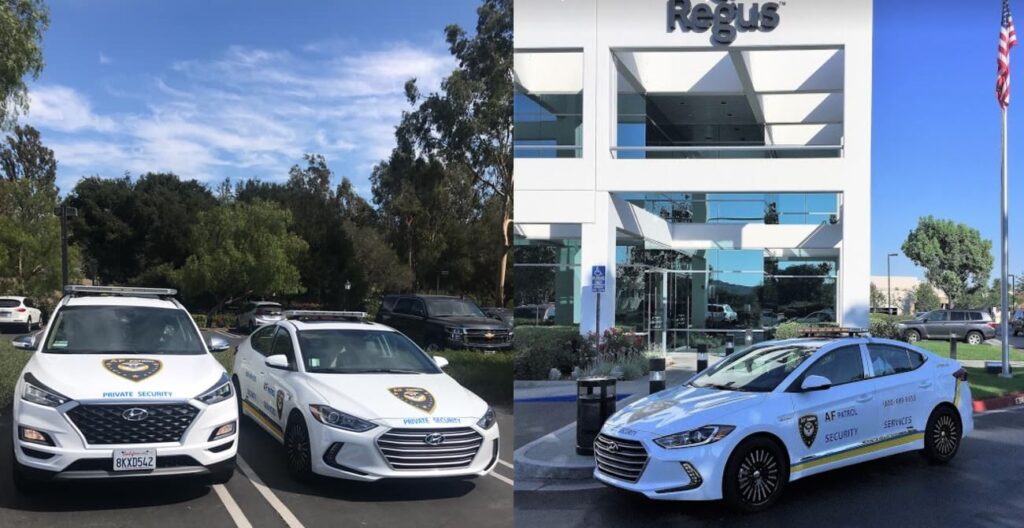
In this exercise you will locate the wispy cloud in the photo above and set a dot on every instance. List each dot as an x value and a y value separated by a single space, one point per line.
248 111
104 59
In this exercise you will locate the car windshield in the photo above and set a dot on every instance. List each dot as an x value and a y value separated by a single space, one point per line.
757 369
337 351
453 308
9 303
123 330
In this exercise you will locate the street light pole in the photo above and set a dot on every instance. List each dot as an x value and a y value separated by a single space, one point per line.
888 277
64 211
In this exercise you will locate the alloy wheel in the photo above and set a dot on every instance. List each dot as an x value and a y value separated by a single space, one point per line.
945 435
759 476
974 339
297 449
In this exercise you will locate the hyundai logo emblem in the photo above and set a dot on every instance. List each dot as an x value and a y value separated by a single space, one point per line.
434 439
135 414
612 446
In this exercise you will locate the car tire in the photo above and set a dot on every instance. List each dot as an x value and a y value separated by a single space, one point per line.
22 482
912 336
755 475
974 338
297 449
942 435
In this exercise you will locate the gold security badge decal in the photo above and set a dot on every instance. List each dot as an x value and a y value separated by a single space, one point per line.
417 397
132 368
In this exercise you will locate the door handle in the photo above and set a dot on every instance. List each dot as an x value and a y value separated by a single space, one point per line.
924 384
864 399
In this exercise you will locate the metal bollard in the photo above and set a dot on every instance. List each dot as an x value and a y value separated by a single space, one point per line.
748 337
702 357
595 402
657 377
952 345
730 344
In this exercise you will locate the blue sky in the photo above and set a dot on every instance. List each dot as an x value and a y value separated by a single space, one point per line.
210 90
936 125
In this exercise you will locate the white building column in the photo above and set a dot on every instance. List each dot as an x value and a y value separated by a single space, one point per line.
598 249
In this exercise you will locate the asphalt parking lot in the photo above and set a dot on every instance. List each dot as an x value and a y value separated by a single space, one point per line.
980 487
263 495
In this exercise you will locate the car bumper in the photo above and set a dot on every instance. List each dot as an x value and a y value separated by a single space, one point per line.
356 456
688 474
479 345
71 458
15 318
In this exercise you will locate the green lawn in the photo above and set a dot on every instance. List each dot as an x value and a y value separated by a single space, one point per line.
12 361
985 385
965 351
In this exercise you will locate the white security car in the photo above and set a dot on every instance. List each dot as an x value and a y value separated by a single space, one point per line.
360 401
120 385
20 311
784 410
256 314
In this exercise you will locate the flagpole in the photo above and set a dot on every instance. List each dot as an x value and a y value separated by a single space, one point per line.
1005 264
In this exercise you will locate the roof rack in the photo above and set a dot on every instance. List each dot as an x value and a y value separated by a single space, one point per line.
323 315
833 331
78 290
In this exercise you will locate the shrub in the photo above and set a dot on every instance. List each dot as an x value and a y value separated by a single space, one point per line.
486 375
885 327
633 366
200 320
538 349
788 330
224 320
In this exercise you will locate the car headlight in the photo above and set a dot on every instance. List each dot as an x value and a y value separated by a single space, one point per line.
487 420
455 333
708 434
334 418
222 390
40 394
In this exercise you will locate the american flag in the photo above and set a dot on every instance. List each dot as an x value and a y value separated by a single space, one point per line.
1007 40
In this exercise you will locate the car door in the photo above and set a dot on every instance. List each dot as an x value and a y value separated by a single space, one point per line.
250 365
958 324
837 419
904 389
399 316
935 325
276 391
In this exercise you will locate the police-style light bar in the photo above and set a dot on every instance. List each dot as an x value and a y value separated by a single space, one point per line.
833 331
323 315
127 291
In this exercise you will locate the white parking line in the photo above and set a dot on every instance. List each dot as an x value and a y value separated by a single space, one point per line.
502 478
228 334
506 464
282 510
229 504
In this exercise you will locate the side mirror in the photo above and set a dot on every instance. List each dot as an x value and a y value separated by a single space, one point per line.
25 342
217 344
441 362
815 383
278 361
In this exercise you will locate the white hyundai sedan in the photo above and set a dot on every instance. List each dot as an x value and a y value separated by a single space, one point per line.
360 401
781 411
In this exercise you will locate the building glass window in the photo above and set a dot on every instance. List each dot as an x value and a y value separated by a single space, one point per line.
739 208
548 105
546 282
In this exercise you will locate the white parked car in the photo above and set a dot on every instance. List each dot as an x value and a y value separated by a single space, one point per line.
256 314
20 311
122 385
783 410
358 400
721 313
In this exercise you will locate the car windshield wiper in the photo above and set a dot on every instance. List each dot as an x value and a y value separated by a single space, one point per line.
718 386
378 370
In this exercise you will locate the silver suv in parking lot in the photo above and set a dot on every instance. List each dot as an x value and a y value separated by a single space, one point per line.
972 326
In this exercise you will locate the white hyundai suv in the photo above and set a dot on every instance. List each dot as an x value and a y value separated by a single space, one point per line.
20 311
121 385
360 401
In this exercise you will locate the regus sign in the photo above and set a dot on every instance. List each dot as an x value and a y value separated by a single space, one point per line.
723 17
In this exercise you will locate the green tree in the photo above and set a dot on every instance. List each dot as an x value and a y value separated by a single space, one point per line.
468 126
30 259
242 250
955 257
877 297
925 298
22 23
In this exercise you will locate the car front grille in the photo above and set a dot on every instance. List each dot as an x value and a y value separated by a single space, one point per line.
407 449
486 337
621 459
106 424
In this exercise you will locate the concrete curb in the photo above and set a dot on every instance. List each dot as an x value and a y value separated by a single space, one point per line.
1001 402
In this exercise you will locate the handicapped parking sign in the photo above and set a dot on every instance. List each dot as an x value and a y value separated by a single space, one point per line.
597 279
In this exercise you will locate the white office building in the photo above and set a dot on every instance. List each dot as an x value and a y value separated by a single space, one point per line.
713 156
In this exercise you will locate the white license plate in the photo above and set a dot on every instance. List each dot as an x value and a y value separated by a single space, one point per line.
5 314
134 459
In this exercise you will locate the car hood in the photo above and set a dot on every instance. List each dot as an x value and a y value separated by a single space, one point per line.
408 399
126 376
472 322
683 407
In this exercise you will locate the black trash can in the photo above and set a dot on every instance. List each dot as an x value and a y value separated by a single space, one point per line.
595 402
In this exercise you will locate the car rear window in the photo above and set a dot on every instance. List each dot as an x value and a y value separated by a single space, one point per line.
9 303
957 316
977 316
268 310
